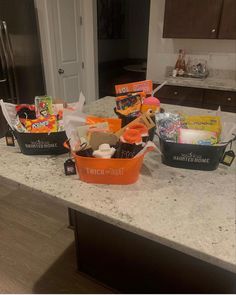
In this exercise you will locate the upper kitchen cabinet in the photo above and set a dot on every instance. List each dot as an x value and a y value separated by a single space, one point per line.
192 18
228 20
201 19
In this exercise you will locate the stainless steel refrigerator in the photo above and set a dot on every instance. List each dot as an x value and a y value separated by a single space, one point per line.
21 70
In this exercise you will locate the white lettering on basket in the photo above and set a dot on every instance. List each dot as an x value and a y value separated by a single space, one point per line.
191 158
40 145
111 171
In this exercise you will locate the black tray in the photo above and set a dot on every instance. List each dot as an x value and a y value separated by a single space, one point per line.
41 143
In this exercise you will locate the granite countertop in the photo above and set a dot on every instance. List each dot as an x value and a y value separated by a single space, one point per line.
218 80
208 83
191 211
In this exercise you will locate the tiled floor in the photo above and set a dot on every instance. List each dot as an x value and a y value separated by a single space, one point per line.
37 252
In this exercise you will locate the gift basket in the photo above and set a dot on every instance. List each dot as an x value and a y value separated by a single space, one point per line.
133 99
194 142
109 170
37 128
111 150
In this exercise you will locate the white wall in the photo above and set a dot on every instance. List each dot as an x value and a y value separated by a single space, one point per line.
220 54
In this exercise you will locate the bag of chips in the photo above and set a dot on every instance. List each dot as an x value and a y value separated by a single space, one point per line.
42 125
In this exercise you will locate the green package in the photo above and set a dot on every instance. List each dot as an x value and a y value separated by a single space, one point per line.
43 106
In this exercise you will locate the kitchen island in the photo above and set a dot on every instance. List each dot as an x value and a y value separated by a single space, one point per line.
173 230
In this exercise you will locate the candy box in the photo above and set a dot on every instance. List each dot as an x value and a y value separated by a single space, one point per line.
207 123
145 86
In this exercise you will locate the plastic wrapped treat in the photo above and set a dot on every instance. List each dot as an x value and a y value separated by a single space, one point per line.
168 125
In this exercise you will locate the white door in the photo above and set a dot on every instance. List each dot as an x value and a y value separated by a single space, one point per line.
67 43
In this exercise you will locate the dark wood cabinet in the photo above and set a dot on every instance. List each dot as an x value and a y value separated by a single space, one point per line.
201 19
228 20
215 98
198 97
186 96
71 215
192 19
131 264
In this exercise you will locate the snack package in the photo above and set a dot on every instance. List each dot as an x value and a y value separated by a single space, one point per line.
114 124
42 125
130 103
145 86
43 106
25 111
208 123
168 125
19 126
194 136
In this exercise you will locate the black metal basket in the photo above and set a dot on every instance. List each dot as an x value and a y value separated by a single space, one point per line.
41 143
192 156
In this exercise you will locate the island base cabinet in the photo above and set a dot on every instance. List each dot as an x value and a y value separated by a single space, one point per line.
130 263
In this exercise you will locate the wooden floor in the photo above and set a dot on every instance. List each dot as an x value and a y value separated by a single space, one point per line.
37 252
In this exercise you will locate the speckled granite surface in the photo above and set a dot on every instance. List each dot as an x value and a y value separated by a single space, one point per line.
191 211
208 83
218 80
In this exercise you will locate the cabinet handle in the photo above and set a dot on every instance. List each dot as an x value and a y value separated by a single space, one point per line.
176 93
213 30
229 98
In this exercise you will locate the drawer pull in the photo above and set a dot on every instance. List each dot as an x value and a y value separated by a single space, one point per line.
213 30
229 98
176 93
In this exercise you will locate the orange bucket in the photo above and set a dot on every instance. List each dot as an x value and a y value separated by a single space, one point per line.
109 171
